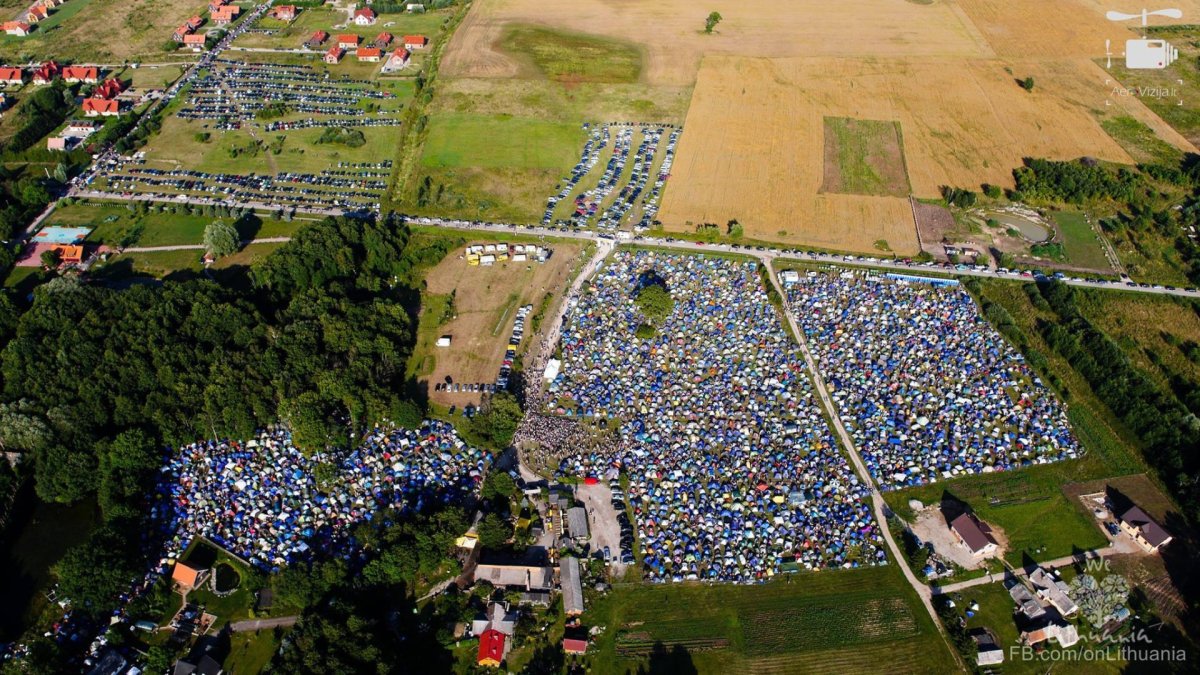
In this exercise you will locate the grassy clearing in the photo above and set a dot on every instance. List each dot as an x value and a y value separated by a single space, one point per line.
116 225
250 652
106 31
818 621
1140 141
497 141
574 57
864 157
1184 118
1079 240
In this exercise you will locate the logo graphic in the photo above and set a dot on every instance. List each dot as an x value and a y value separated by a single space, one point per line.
1146 54
1099 600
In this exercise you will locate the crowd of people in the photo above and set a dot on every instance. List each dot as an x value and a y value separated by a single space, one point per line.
930 389
268 502
733 474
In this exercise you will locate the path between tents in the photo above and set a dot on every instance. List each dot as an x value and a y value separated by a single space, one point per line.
259 624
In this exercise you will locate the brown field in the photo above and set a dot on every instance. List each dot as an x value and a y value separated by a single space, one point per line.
670 32
106 31
486 300
753 142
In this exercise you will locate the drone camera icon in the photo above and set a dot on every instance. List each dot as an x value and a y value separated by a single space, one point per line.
1145 54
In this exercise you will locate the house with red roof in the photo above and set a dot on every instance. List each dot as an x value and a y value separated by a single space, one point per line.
383 40
88 74
195 41
214 5
11 76
370 54
575 645
36 13
397 61
18 28
284 12
93 107
223 16
45 73
108 89
493 646
415 41
364 17
316 39
347 41
194 23
334 54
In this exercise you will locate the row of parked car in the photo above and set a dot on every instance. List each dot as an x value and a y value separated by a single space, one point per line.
625 554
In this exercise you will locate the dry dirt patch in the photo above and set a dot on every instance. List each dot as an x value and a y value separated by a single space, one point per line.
486 300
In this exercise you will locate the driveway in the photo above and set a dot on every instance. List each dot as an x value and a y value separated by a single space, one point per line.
602 522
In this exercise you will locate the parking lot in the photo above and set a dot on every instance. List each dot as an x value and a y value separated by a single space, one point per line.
609 525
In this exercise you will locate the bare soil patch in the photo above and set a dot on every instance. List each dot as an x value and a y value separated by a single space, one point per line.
864 157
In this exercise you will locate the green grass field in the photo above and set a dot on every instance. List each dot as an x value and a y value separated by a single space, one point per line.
1140 141
811 622
495 141
1079 241
864 157
116 225
574 57
250 652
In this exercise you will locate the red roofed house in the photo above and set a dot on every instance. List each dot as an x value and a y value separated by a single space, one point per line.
19 28
347 41
415 41
45 73
37 13
383 40
68 254
223 16
88 74
179 33
56 143
364 17
493 646
102 107
284 12
108 89
11 76
195 41
397 61
574 646
186 576
317 38
214 5
370 54
334 54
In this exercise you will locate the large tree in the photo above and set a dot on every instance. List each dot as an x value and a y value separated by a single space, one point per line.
221 239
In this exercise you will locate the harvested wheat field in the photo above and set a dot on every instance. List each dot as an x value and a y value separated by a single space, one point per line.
754 149
480 316
670 32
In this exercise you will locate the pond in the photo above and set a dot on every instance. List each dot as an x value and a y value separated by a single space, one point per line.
37 536
227 578
1033 231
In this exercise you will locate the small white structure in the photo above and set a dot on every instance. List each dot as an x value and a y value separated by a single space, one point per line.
789 277
443 341
553 366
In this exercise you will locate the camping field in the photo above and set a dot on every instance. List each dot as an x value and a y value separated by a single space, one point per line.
830 621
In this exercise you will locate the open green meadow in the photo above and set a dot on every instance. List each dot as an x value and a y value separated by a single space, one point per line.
1140 141
118 225
829 621
496 141
1079 241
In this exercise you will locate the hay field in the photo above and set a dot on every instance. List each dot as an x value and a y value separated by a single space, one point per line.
104 31
485 301
753 145
670 32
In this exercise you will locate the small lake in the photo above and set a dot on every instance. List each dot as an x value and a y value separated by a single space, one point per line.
37 536
1030 230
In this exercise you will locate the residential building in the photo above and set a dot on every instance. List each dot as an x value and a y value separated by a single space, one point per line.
496 617
88 74
284 12
186 576
493 647
383 40
415 41
11 76
36 13
347 41
398 61
45 73
974 534
369 54
1144 530
334 55
364 17
18 28
93 107
524 577
317 39
195 41
1053 591
573 645
577 523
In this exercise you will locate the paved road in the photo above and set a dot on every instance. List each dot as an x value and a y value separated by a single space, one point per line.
1094 554
259 624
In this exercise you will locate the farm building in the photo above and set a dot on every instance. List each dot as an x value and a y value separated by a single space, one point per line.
577 523
525 577
572 586
974 534
1144 530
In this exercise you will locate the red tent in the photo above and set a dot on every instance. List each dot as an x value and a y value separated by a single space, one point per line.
591 480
